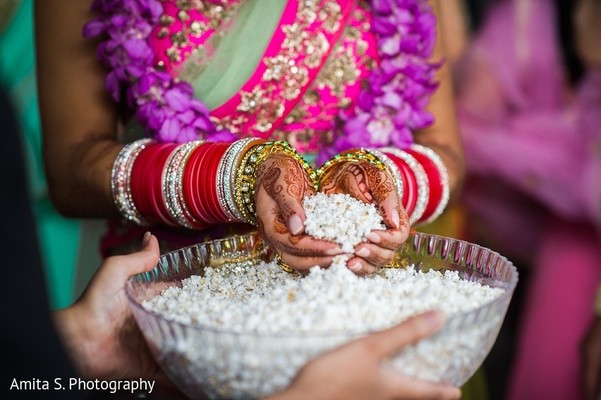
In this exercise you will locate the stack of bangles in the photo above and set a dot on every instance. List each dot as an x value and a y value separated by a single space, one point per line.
192 185
425 182
198 184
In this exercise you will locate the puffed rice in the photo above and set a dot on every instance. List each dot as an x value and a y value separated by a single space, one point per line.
340 218
262 324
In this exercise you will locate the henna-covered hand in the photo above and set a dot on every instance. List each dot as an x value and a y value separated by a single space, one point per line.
371 184
281 185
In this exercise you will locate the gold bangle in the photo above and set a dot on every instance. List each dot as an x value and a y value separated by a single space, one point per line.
360 155
280 263
245 181
285 147
246 174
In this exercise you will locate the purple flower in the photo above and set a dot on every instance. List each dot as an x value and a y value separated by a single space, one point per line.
392 100
365 100
203 123
177 100
93 28
381 6
112 86
390 46
222 136
186 133
169 130
401 138
138 49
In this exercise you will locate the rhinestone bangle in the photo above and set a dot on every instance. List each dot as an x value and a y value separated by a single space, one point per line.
172 185
245 189
226 176
359 155
121 181
423 185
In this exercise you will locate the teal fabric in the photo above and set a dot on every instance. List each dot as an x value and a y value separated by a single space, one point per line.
58 236
238 52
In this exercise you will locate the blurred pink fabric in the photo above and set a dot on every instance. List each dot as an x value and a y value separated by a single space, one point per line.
533 146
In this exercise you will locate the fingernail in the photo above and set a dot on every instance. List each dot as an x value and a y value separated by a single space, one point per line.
355 267
334 252
295 224
434 318
146 239
363 252
373 237
396 219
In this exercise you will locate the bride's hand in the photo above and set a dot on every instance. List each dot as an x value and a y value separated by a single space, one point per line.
281 184
370 184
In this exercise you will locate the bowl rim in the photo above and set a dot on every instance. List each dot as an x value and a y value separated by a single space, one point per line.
505 296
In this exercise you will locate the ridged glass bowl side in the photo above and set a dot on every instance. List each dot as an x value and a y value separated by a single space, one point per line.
221 364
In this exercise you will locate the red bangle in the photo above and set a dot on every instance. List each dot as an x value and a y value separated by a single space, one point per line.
142 182
157 176
206 194
209 183
421 179
173 194
191 180
202 187
199 196
198 183
409 183
187 179
434 180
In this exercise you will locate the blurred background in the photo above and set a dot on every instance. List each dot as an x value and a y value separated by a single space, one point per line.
59 237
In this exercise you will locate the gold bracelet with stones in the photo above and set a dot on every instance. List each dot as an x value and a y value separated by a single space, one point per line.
246 174
360 155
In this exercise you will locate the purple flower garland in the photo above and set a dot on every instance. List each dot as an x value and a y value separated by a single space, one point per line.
389 108
393 103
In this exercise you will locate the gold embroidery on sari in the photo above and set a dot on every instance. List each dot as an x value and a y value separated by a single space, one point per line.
342 69
215 13
287 73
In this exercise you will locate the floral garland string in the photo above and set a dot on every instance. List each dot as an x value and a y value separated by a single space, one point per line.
389 108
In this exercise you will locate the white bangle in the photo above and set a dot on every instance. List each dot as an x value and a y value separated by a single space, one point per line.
172 185
444 180
423 186
121 181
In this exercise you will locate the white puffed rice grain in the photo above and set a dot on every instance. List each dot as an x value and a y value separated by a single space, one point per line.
340 218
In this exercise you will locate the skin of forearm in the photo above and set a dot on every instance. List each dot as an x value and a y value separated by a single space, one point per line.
79 184
588 32
288 395
444 135
455 28
78 117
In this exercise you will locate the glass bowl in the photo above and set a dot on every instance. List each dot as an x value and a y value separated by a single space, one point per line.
205 361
